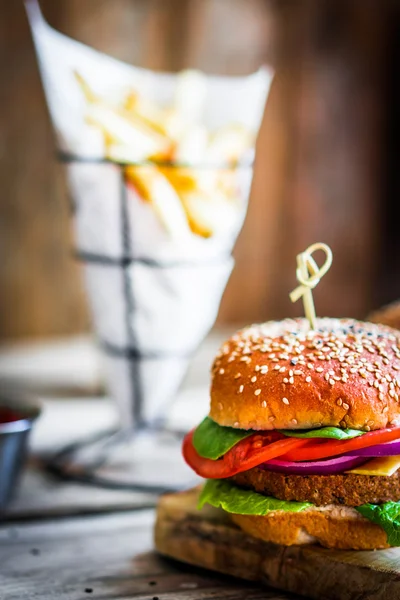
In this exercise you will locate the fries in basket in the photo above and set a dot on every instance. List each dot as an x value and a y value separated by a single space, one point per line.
189 175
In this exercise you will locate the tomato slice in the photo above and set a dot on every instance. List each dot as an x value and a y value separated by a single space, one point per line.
325 448
245 455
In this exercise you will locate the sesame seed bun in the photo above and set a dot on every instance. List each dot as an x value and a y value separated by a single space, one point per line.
331 526
281 375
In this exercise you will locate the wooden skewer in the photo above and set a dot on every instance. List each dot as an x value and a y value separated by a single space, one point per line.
309 274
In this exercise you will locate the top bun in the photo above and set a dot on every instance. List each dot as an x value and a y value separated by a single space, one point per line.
282 375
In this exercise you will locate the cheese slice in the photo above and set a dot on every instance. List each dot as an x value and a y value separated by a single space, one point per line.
384 466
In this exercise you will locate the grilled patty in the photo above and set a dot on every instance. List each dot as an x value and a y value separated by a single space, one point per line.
350 489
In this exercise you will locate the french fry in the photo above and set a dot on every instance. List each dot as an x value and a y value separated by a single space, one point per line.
186 199
228 144
121 132
183 179
208 214
191 146
150 114
154 188
124 129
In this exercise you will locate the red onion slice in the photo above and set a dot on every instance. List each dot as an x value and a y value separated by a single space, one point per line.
319 467
386 449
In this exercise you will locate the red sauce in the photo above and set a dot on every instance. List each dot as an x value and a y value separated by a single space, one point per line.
8 416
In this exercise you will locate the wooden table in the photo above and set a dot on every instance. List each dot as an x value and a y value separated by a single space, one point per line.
107 557
65 540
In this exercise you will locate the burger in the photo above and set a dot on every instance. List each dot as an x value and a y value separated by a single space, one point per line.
302 442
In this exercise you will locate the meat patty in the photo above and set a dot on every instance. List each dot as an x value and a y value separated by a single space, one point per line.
348 489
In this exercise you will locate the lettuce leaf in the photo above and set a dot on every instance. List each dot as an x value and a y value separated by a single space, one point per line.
213 441
333 433
386 516
222 494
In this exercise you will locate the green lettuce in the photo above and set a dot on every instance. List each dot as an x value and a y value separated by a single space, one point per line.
222 494
386 516
213 441
333 433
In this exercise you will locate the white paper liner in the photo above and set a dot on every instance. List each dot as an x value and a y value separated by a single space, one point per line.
153 297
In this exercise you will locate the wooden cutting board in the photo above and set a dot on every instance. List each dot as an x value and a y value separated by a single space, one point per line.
208 539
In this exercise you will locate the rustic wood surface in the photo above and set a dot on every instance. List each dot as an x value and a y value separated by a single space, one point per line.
107 557
208 539
62 539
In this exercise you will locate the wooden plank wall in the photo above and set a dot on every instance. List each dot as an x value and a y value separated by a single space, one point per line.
318 172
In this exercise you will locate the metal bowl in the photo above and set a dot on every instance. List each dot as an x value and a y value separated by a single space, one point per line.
13 439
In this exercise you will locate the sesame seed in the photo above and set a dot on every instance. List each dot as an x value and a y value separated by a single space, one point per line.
381 396
385 409
276 368
294 421
264 404
285 401
291 380
282 369
327 376
257 392
271 419
285 380
257 368
253 379
332 382
220 407
345 406
221 371
319 369
308 379
236 424
392 393
298 372
237 375
290 373
339 402
241 388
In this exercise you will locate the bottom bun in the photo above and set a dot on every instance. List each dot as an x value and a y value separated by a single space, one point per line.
331 526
